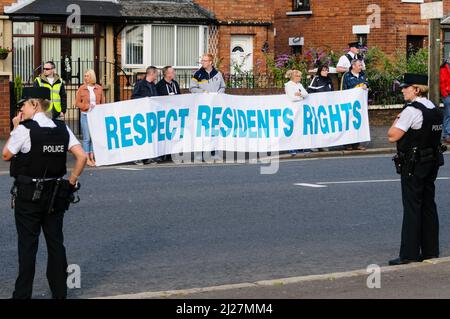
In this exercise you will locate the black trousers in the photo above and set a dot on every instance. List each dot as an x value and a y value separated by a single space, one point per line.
30 218
420 229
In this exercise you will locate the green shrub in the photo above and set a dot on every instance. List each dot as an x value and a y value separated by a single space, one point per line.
18 88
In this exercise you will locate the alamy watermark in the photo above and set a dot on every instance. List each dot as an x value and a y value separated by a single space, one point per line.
74 20
73 276
374 279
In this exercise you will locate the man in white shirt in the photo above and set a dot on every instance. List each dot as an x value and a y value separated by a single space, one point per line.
345 61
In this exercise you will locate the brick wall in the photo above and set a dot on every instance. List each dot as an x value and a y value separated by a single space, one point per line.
4 107
260 36
6 3
242 11
239 10
384 117
331 24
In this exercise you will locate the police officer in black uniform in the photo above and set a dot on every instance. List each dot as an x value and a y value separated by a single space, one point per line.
37 149
417 131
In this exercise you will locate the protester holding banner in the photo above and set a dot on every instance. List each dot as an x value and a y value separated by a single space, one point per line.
321 81
147 88
294 89
168 85
88 96
207 80
353 79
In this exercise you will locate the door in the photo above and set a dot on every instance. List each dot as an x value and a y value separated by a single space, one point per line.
241 58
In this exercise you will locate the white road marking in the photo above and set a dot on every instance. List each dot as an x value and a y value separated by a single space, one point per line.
372 181
129 169
310 185
357 182
323 184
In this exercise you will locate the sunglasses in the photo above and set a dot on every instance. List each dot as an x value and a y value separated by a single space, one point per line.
47 69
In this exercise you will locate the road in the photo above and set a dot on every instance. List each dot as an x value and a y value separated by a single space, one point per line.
162 227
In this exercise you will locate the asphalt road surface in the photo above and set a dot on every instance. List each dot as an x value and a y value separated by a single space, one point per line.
159 228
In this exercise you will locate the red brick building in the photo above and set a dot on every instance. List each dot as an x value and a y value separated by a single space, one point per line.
387 24
244 31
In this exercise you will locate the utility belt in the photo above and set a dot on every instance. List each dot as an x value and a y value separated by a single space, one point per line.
405 163
58 193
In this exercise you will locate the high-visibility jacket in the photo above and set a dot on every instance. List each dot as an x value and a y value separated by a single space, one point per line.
55 102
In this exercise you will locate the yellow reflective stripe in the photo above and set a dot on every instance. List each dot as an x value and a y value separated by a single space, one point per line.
55 98
56 106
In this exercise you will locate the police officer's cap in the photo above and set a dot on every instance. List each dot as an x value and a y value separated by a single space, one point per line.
355 45
34 93
411 79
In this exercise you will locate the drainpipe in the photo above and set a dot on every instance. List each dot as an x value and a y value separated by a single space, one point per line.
116 66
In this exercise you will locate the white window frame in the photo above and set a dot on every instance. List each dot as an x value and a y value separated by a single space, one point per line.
147 59
124 49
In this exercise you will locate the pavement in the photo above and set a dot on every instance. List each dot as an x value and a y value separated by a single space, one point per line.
426 280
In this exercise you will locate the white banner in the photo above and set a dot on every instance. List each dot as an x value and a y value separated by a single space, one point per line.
150 127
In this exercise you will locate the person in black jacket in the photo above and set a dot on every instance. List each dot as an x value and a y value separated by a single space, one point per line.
168 85
321 81
146 87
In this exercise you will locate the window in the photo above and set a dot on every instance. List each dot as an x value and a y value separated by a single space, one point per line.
163 46
301 5
446 44
51 29
20 28
296 49
187 46
72 50
362 38
134 39
414 43
83 29
23 43
205 40
160 45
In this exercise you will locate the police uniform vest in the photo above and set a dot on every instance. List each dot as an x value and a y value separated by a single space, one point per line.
428 136
55 97
349 57
48 153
